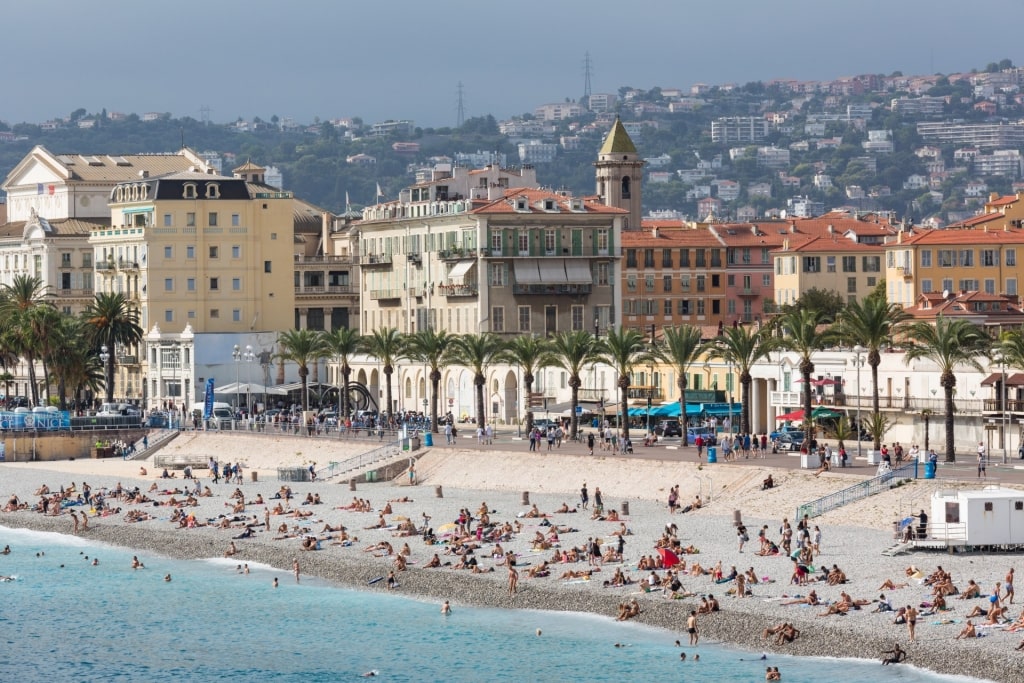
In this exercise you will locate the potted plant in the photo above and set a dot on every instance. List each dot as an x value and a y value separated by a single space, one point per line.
877 425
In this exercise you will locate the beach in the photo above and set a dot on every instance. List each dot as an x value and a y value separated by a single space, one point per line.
852 538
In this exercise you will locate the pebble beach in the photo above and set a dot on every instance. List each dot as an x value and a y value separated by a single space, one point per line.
853 538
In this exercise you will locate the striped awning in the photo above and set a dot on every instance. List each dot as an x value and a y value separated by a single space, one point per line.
526 272
552 272
578 272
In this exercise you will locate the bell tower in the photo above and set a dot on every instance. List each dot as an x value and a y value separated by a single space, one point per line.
619 174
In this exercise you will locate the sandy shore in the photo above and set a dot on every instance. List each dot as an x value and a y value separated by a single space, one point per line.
853 538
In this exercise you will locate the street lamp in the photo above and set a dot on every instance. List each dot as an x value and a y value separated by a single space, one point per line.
236 353
250 357
107 372
597 323
858 361
650 394
1002 404
729 385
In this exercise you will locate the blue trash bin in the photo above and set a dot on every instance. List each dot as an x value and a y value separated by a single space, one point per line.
428 439
929 470
712 454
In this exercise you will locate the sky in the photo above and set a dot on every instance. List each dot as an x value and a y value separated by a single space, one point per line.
404 59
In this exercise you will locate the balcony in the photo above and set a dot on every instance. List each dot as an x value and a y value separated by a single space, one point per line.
321 260
457 254
104 265
907 273
452 291
321 290
416 259
68 293
591 394
995 405
748 291
127 360
375 260
551 290
417 292
384 294
125 264
641 392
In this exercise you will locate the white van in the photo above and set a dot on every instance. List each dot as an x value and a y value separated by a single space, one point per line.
221 411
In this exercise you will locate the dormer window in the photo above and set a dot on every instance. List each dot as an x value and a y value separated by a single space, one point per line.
190 191
549 205
521 204
212 190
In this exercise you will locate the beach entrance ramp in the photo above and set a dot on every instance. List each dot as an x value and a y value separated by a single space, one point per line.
864 489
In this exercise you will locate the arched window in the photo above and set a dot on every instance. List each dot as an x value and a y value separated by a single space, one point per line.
625 187
212 190
189 191
408 388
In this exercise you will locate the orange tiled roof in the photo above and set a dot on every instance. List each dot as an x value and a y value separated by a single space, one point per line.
940 237
668 238
507 203
978 220
826 244
1004 201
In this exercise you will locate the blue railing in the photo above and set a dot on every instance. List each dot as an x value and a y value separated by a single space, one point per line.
864 489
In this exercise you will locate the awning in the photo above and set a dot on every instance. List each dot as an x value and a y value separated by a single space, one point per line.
552 272
1014 380
992 379
578 272
460 269
526 272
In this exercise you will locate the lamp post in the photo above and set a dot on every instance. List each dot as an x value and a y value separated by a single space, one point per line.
108 373
236 353
1002 404
729 386
250 357
650 394
597 323
858 360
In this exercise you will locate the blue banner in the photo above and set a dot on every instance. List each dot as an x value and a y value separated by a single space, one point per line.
208 400
10 420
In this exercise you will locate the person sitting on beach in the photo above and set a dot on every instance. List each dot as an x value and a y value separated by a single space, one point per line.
232 550
972 591
768 483
968 631
788 634
309 543
301 514
994 613
773 630
768 549
836 576
888 585
811 599
386 511
564 509
799 576
533 513
433 563
628 610
824 467
751 576
894 656
613 516
278 510
538 570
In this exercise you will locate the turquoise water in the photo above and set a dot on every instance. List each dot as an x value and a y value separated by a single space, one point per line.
109 622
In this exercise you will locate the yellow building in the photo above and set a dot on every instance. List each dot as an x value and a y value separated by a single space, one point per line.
849 268
195 253
950 260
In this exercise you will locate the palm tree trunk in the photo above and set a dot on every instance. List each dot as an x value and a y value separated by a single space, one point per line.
435 384
948 384
574 384
479 381
624 404
805 371
303 372
345 372
33 389
745 381
874 396
681 382
387 388
528 384
110 376
62 393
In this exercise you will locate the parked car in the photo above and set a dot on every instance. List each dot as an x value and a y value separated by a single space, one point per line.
669 428
708 434
790 441
784 429
157 419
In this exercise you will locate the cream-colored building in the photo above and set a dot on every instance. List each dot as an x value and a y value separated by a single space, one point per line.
198 254
852 269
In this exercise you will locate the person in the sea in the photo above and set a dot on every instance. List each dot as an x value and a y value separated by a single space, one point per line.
894 656
691 627
446 608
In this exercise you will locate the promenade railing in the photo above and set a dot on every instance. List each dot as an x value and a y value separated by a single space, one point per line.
864 489
356 462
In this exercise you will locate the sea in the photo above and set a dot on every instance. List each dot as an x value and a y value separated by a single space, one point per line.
63 618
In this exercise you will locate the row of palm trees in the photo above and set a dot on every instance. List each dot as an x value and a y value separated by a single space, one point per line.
68 348
872 323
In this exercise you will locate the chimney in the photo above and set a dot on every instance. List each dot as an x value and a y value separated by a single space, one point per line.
325 232
654 231
831 229
143 173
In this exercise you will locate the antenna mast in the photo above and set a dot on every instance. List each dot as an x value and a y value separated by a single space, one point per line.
460 115
587 70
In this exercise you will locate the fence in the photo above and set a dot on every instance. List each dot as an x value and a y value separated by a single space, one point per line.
356 462
864 489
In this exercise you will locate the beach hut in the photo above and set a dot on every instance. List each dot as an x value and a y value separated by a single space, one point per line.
989 516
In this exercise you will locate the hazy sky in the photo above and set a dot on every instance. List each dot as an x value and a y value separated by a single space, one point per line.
404 58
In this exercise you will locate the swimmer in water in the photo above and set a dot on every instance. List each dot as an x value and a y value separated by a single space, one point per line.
370 674
167 578
136 564
446 608
275 582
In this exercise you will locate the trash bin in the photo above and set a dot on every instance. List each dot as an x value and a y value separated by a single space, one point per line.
415 443
405 444
438 492
625 507
254 475
929 470
526 497
428 439
712 454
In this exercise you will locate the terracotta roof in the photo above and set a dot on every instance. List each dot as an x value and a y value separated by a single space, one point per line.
978 220
669 238
940 237
507 204
618 140
1004 201
68 227
248 166
826 244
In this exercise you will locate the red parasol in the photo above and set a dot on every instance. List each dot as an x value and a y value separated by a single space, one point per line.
668 558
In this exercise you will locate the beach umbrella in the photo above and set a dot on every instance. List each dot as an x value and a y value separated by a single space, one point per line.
668 558
822 412
450 526
793 416
400 518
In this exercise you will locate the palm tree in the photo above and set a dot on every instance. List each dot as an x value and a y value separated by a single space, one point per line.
69 340
476 352
42 322
799 331
870 323
302 347
622 349
388 346
681 348
17 299
743 347
111 322
531 354
433 349
342 344
949 344
571 351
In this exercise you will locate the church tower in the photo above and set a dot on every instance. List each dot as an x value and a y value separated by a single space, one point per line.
619 174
